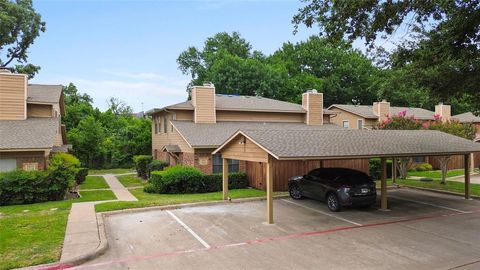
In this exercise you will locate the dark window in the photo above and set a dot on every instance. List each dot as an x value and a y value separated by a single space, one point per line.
217 164
165 124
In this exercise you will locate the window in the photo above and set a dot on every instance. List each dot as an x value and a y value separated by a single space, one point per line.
360 123
173 117
217 164
165 124
157 124
346 124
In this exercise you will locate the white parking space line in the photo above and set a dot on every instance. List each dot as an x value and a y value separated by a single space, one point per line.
205 244
431 204
322 212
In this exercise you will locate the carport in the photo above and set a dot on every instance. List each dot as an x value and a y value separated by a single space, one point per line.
269 146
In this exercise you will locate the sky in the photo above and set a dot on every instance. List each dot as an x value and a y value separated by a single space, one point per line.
128 49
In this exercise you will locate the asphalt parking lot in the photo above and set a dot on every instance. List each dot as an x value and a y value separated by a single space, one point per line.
423 230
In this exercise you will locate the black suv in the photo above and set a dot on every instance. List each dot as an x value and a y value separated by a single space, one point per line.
337 186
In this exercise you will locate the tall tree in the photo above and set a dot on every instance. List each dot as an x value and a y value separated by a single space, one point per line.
344 75
20 25
78 106
442 52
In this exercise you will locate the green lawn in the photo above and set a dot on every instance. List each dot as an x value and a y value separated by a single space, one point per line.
435 184
94 182
149 199
437 174
110 171
96 195
36 235
131 180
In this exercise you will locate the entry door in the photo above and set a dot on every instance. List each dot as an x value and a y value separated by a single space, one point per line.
8 165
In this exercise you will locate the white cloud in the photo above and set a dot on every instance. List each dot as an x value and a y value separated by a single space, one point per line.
153 90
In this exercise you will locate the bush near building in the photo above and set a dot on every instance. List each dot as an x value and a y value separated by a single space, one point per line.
141 162
186 179
20 187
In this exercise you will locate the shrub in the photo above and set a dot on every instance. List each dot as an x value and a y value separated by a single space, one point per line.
156 165
64 166
20 187
376 170
183 179
81 175
141 163
423 167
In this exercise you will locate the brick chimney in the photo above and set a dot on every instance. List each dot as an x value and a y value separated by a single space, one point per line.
13 95
382 110
312 102
444 111
203 100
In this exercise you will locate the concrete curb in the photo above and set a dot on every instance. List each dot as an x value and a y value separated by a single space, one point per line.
185 205
90 255
440 191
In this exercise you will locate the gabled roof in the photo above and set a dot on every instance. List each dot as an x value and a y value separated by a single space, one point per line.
467 117
243 103
43 93
345 143
213 135
33 133
366 111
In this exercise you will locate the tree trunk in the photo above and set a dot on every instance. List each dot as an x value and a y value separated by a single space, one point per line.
444 167
403 164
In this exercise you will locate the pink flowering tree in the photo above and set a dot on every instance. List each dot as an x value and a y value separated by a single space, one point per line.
401 121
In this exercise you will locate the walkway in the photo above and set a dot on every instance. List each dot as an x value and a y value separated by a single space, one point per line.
82 235
120 191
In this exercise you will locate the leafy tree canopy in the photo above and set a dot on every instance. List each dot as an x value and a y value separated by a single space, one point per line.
20 25
228 61
442 53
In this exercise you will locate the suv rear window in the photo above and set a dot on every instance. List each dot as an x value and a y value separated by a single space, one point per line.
355 178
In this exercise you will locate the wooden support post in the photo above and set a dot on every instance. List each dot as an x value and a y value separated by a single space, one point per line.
225 179
383 180
394 171
467 176
269 191
472 163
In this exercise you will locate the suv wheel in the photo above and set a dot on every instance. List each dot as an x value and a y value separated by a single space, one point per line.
295 192
333 203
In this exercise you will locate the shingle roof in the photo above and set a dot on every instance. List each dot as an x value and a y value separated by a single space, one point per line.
247 103
467 117
32 133
366 111
213 135
343 143
172 148
44 93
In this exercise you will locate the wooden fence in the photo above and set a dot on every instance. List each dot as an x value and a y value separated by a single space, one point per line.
285 169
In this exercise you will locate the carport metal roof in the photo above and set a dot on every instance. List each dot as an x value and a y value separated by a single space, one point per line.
348 144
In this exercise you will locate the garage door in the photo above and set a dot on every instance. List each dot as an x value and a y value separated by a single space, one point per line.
8 165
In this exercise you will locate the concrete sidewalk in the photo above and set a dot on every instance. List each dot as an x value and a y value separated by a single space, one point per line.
120 191
83 235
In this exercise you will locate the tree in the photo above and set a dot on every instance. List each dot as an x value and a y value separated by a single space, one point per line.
20 25
442 51
87 140
78 106
402 122
119 107
344 75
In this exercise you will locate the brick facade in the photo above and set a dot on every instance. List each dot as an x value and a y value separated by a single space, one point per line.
27 157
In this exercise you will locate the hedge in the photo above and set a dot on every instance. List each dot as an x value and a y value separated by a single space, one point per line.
155 165
141 162
185 179
81 175
19 187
